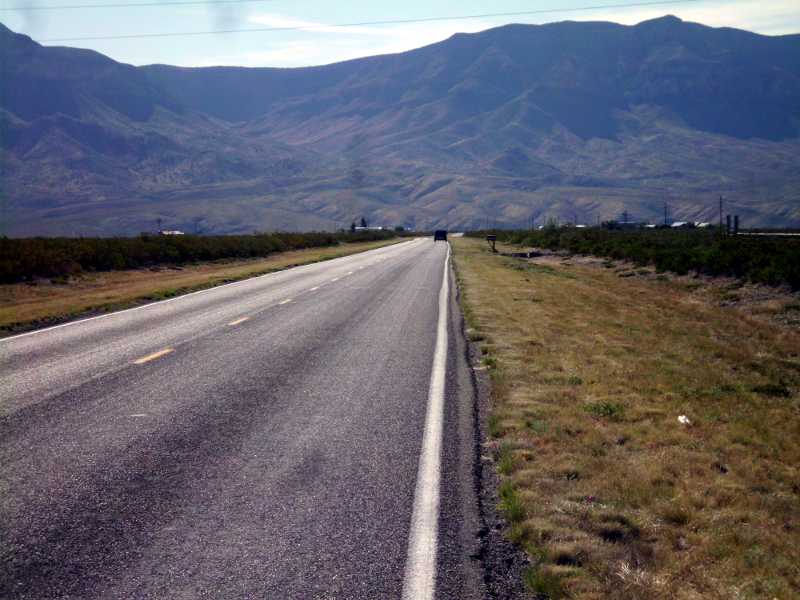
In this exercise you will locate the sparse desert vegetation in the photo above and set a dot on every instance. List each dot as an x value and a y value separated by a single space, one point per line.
646 439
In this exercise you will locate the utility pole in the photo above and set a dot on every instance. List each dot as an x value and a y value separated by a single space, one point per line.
666 218
720 213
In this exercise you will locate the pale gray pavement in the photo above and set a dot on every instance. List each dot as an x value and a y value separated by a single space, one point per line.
271 458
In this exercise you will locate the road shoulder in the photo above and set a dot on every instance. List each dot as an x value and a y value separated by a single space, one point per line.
491 567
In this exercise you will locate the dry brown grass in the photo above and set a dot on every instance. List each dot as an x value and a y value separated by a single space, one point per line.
603 487
22 305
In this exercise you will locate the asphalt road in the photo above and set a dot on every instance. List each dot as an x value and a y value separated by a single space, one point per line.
257 440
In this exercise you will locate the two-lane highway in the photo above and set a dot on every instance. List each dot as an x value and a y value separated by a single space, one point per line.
307 434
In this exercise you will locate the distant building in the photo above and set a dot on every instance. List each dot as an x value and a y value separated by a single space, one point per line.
682 225
371 228
170 232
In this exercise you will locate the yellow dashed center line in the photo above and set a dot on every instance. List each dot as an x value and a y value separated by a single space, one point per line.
285 301
153 356
237 321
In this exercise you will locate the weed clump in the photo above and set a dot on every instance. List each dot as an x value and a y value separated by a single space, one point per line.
510 504
775 390
607 410
493 426
544 584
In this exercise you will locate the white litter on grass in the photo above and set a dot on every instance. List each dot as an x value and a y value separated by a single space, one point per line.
684 420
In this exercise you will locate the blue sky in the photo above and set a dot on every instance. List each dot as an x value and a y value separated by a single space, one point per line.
318 43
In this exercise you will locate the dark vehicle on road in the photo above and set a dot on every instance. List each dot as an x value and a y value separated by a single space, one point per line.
440 235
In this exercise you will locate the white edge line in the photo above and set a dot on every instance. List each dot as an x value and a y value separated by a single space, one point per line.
419 581
211 289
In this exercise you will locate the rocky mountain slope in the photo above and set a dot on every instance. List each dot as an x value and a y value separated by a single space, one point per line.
576 121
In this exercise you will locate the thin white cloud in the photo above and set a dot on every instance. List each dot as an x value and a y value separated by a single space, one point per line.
341 43
282 21
436 31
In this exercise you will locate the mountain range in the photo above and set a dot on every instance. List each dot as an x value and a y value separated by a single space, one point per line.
513 125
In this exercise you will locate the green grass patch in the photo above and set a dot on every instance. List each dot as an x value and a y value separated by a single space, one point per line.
505 459
606 410
510 504
546 585
537 426
493 426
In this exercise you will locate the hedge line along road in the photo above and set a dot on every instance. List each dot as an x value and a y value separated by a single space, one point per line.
307 434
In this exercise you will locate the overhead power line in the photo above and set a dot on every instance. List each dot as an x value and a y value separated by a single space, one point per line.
125 5
367 23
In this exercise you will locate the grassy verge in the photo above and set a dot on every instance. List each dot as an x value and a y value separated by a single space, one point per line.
606 489
24 305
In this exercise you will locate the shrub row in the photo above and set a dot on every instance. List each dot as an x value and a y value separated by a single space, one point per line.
773 261
30 258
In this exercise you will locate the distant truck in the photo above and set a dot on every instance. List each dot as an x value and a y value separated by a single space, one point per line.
440 235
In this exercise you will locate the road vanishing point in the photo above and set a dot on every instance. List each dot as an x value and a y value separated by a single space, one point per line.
307 434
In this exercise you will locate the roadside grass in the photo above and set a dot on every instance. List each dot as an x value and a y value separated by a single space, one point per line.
601 484
27 305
